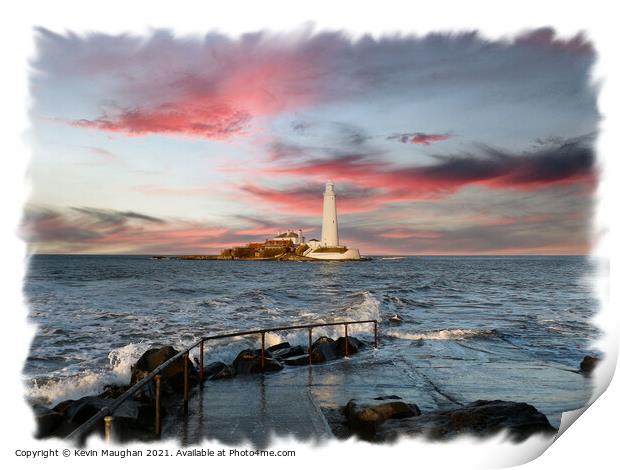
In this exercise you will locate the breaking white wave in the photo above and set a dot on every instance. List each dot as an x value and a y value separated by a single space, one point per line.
51 391
365 306
121 359
367 309
443 335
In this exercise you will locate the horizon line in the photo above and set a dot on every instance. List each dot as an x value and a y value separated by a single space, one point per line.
410 255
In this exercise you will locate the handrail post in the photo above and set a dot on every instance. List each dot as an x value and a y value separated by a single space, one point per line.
107 428
262 351
185 381
376 336
346 340
202 363
309 346
157 405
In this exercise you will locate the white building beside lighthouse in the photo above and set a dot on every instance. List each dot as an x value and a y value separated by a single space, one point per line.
329 247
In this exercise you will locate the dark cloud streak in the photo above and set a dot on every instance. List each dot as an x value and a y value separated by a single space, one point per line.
568 162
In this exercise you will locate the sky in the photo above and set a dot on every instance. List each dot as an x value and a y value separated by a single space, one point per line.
444 144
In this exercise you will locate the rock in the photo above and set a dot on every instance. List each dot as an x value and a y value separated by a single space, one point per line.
173 375
76 412
113 391
279 346
289 352
226 373
338 346
301 249
47 421
588 364
245 360
326 349
81 410
366 416
218 370
322 350
482 418
301 360
248 362
213 368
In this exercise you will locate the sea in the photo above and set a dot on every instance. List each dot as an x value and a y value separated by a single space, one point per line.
488 327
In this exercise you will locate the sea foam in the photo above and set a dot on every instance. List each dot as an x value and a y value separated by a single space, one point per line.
443 335
52 390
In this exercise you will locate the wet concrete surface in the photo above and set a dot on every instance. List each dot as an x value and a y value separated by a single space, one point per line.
249 409
253 408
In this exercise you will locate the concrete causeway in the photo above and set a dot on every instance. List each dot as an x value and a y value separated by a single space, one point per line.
248 410
251 408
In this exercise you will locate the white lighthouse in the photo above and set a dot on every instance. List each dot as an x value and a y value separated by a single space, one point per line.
329 234
329 247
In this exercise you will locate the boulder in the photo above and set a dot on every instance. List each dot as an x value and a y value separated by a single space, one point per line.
47 421
301 360
322 350
588 364
81 410
481 418
301 249
279 346
338 346
248 362
226 373
113 391
213 368
289 352
245 361
76 412
366 416
218 370
172 376
326 349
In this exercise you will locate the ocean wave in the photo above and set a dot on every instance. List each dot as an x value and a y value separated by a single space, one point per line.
444 335
402 302
366 309
52 390
182 290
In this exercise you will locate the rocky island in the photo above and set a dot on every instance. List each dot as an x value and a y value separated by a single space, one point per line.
291 245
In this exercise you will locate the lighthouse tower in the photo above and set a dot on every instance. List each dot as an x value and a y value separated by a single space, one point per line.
329 248
329 234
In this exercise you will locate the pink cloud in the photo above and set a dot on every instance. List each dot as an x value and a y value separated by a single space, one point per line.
210 121
419 138
218 98
309 201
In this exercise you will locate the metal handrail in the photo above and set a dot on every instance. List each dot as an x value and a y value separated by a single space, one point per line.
282 328
108 411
